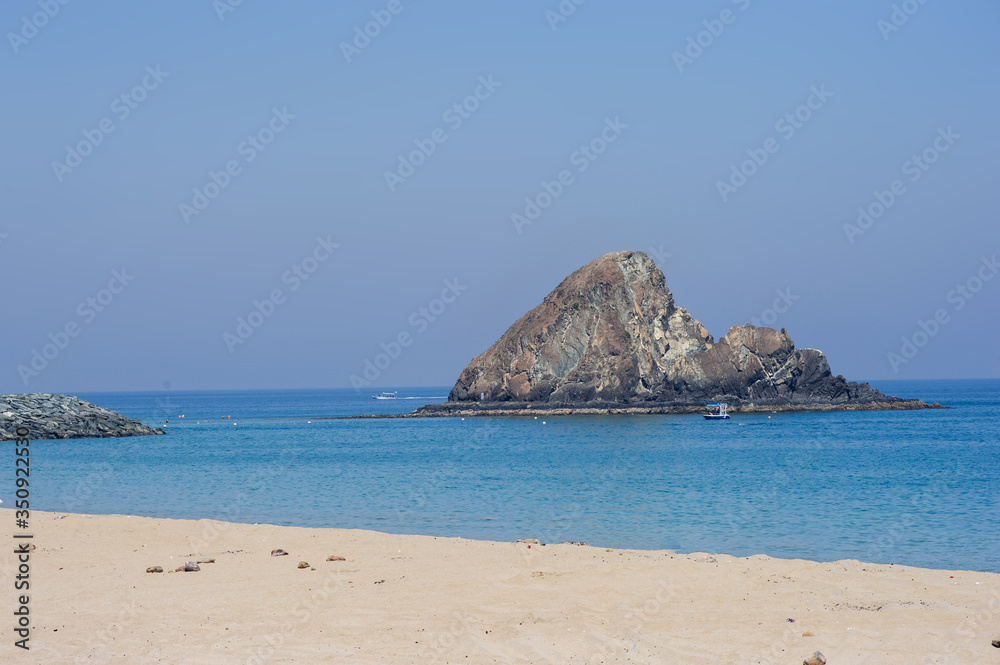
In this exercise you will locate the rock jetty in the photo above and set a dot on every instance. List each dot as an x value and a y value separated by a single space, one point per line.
610 338
63 417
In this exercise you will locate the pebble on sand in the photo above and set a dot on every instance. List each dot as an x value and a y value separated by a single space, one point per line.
279 552
996 643
205 561
189 567
155 569
303 564
334 557
815 659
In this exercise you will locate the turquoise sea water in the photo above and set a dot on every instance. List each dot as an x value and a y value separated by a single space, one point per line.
918 488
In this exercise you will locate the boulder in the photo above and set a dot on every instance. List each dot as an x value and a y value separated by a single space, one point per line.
611 335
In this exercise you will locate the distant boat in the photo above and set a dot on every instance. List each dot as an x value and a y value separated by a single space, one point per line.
719 414
391 395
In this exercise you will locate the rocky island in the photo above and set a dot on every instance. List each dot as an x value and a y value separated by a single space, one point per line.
610 338
63 417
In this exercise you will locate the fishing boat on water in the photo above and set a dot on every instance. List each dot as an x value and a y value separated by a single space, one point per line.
391 395
719 413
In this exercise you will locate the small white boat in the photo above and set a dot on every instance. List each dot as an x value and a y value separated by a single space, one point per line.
719 413
391 395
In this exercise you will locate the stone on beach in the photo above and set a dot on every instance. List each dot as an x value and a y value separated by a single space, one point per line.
303 564
155 569
205 561
189 567
279 552
334 557
815 659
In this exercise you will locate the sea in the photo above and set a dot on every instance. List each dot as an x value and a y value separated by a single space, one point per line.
919 488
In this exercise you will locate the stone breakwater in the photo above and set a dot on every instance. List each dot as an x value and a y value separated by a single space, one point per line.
64 417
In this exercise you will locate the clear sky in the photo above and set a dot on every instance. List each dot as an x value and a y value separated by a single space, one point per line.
122 118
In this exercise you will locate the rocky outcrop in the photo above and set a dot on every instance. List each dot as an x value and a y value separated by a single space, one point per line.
63 417
611 336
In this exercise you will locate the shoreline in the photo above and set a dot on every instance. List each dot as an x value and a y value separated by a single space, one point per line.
404 599
506 410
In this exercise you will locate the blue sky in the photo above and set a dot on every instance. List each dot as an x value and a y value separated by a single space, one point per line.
309 133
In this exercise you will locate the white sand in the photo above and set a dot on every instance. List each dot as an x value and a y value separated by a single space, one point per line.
448 600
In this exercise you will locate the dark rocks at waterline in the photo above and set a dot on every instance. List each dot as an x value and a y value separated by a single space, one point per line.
611 336
549 409
63 417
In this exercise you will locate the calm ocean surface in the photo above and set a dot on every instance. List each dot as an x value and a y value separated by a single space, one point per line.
918 488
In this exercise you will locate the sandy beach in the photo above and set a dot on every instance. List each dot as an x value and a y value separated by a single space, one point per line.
419 599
